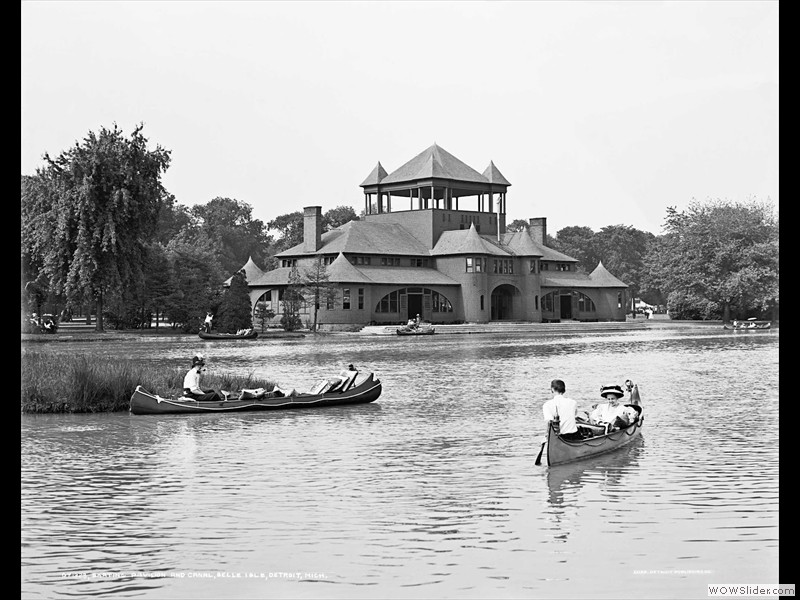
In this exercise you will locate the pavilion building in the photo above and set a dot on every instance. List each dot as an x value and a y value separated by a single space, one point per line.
433 242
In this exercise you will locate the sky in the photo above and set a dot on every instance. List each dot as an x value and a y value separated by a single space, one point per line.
598 113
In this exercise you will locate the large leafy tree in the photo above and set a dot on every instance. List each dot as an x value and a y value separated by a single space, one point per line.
622 250
721 256
89 214
289 228
517 225
292 301
577 242
230 226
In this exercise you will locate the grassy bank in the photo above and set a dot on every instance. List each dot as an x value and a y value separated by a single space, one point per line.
83 383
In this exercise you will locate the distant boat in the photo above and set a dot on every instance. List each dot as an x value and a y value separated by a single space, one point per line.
250 335
749 325
418 330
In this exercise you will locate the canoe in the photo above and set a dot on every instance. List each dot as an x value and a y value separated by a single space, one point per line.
421 330
748 325
228 336
559 451
364 391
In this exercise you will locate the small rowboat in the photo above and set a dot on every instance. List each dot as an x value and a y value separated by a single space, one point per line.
749 325
421 330
251 335
559 451
361 392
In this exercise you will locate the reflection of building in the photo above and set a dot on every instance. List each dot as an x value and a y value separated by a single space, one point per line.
433 241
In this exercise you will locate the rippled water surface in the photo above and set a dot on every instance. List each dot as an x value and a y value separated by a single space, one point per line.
430 492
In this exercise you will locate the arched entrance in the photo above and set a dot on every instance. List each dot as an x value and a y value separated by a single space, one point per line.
505 303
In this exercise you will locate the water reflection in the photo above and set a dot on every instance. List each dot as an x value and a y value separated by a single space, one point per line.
567 484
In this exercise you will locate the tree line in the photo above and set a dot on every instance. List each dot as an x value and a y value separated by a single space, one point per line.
99 230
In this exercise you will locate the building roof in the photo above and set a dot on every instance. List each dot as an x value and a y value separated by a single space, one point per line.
599 278
522 244
465 241
493 175
603 278
365 237
251 271
376 176
341 271
434 162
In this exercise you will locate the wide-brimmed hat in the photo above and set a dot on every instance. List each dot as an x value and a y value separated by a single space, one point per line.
198 359
611 389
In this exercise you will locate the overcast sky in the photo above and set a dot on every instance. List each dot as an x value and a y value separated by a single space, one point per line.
598 113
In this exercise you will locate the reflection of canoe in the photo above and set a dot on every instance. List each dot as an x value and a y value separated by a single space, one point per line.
253 334
145 403
749 325
421 330
559 451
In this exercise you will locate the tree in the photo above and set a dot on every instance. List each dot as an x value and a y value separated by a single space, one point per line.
234 311
316 287
196 283
234 234
577 242
517 225
290 228
622 250
720 254
89 214
338 216
292 302
264 314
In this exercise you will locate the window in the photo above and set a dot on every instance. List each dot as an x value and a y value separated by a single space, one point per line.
536 302
533 266
360 260
478 265
545 266
390 261
346 299
360 298
482 302
585 303
420 262
288 262
562 267
388 303
330 302
619 299
470 266
326 260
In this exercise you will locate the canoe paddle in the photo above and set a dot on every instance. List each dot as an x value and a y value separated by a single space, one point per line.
539 458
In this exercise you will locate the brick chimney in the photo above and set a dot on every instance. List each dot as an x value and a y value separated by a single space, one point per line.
312 228
538 229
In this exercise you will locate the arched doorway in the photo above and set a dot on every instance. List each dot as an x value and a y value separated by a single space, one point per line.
505 303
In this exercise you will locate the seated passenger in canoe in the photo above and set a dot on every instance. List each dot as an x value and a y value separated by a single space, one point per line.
611 414
191 383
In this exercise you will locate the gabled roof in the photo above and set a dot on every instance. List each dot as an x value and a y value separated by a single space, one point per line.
365 237
603 278
341 271
522 244
465 241
251 271
376 176
493 175
434 162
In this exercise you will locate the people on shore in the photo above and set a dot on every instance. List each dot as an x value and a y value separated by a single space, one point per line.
563 410
191 382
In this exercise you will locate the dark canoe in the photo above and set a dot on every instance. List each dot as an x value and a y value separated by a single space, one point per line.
228 336
145 403
422 330
559 451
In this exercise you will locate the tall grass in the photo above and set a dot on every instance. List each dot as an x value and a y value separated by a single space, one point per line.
91 383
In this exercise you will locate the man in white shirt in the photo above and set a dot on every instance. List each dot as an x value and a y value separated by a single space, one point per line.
562 409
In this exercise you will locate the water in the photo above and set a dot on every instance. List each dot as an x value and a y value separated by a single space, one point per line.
430 492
